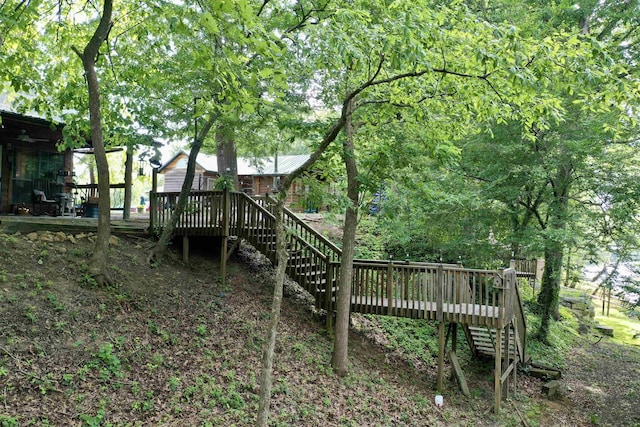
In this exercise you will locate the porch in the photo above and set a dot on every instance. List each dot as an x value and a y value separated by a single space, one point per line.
138 224
34 174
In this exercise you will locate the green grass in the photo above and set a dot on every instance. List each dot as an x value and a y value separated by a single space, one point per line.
562 337
624 327
415 338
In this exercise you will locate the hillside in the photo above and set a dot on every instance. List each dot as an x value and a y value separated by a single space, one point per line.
171 346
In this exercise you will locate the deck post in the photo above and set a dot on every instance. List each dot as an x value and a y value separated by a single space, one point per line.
505 363
389 290
440 380
498 372
153 200
328 295
454 337
225 235
440 319
515 359
185 249
439 293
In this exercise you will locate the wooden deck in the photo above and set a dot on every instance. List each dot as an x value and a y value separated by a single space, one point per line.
486 302
446 292
138 224
422 309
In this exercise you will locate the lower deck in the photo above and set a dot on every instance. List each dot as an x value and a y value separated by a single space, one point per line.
463 313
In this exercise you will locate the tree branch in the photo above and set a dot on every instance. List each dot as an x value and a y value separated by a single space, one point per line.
306 17
403 105
264 4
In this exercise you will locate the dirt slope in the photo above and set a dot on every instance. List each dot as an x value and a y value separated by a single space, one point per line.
171 346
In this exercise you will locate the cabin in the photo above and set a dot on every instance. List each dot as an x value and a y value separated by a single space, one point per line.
257 177
35 177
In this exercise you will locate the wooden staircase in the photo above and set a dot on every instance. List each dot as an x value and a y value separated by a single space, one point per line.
482 340
486 303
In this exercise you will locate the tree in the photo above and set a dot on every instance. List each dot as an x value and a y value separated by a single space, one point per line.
41 47
236 72
440 73
536 170
98 265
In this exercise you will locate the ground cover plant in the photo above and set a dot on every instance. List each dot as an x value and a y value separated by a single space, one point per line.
171 346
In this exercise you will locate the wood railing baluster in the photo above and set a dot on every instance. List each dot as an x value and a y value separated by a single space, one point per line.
443 292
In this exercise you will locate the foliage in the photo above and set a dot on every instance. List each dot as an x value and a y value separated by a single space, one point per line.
225 182
415 338
369 241
562 336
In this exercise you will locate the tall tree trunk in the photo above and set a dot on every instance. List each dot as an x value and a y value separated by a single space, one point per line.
128 181
167 232
282 256
550 289
226 156
340 360
270 342
98 263
554 250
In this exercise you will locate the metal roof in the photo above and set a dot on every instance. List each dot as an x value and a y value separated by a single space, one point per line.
246 166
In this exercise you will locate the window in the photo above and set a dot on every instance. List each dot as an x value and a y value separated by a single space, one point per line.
31 165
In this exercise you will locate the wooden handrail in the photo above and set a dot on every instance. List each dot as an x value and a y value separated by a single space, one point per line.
521 324
292 218
447 292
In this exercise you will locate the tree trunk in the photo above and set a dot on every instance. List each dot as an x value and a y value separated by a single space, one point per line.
92 173
282 256
554 250
550 289
167 232
340 360
98 262
226 156
128 182
270 342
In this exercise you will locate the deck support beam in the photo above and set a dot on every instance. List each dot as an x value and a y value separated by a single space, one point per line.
226 207
185 249
458 374
441 344
497 386
233 248
223 261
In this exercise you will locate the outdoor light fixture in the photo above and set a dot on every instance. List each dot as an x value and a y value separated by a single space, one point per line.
155 161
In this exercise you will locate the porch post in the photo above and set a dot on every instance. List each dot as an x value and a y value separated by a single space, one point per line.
226 207
153 202
128 173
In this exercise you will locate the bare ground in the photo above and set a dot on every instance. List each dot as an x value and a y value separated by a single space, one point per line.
172 346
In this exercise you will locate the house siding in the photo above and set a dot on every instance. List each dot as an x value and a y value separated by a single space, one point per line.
255 185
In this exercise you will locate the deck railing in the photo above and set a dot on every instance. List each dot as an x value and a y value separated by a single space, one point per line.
524 267
429 291
296 226
446 292
203 215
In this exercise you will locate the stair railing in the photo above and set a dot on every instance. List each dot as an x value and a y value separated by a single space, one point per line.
447 292
520 324
297 226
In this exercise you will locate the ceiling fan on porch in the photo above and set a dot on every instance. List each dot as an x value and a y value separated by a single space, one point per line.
23 136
